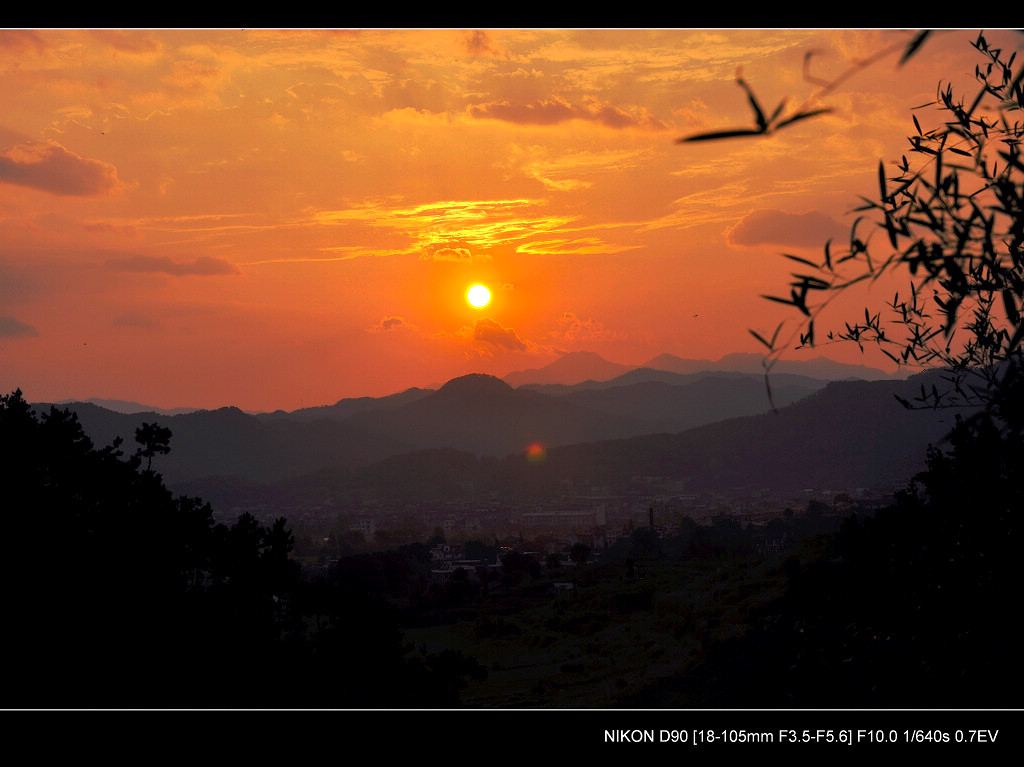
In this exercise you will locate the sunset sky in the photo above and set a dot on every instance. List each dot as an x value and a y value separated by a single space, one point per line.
282 218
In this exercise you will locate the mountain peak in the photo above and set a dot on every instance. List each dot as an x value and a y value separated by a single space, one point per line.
582 355
475 383
570 368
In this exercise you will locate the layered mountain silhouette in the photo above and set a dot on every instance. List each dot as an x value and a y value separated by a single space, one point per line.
847 435
713 427
229 442
125 406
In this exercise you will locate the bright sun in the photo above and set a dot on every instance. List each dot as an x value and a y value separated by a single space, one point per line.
478 295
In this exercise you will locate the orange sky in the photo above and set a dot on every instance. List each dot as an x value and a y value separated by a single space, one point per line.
282 218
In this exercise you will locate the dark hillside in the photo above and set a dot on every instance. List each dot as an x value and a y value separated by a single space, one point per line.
849 434
485 415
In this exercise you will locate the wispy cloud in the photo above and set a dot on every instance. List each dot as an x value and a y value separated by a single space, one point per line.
451 229
20 39
573 329
203 265
391 322
579 246
136 320
11 327
449 253
128 40
565 172
557 109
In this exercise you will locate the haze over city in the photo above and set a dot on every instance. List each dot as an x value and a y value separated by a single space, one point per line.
274 219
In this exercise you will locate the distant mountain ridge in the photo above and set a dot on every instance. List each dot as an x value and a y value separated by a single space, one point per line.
483 415
349 406
230 442
847 435
571 368
578 367
480 414
486 415
129 408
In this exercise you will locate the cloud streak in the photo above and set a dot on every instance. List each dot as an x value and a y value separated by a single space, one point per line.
450 230
557 109
580 247
203 266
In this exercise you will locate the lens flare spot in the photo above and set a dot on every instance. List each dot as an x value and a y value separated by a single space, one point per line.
479 296
536 453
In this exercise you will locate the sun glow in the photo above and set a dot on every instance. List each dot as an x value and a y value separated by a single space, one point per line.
479 296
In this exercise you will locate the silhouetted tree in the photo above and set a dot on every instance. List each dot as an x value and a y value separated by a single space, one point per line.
154 439
953 225
907 607
120 594
105 564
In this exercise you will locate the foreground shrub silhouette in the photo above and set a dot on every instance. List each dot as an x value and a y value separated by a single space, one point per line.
122 595
913 607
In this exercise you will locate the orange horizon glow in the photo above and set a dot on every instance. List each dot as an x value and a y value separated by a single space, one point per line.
274 219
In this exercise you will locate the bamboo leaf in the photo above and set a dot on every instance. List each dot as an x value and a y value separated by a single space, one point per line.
802 116
777 112
761 338
759 117
808 262
785 301
716 135
915 45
